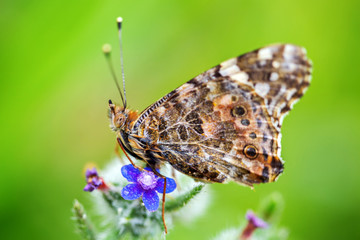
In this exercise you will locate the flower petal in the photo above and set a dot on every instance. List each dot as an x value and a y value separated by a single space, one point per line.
170 185
89 188
132 191
96 181
130 172
91 172
151 200
258 222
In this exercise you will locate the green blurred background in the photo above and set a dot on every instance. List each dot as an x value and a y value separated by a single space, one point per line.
55 85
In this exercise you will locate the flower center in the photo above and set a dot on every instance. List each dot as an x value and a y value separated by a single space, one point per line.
147 180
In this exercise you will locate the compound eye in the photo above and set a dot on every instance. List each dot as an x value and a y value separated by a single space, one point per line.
250 151
120 121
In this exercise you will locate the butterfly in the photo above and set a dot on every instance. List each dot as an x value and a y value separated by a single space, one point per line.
223 124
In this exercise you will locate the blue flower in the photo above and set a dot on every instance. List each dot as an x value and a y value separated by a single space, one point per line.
145 184
94 181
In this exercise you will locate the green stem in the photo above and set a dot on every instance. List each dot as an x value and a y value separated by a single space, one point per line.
83 224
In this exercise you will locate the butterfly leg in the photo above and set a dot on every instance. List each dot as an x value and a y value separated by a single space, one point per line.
163 206
117 152
122 148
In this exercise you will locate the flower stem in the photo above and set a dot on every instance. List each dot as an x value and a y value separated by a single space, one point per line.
83 225
248 231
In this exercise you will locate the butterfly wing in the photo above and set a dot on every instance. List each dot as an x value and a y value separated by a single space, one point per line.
280 74
225 123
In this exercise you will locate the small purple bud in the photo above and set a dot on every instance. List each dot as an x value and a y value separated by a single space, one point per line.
254 223
258 222
94 181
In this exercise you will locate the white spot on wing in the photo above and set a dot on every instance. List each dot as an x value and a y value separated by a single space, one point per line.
289 52
276 64
211 85
161 110
229 70
228 63
242 77
265 53
290 93
262 89
274 76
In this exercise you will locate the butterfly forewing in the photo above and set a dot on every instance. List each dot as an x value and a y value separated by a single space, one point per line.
225 123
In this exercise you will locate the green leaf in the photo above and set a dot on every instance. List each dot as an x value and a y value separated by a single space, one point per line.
183 199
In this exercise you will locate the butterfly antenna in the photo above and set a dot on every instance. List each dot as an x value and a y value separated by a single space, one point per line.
119 23
107 50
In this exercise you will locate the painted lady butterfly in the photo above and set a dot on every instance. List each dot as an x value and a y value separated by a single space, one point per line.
223 124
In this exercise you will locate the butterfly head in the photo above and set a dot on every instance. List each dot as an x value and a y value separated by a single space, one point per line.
118 116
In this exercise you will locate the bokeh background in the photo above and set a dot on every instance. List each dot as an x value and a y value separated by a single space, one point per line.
55 85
